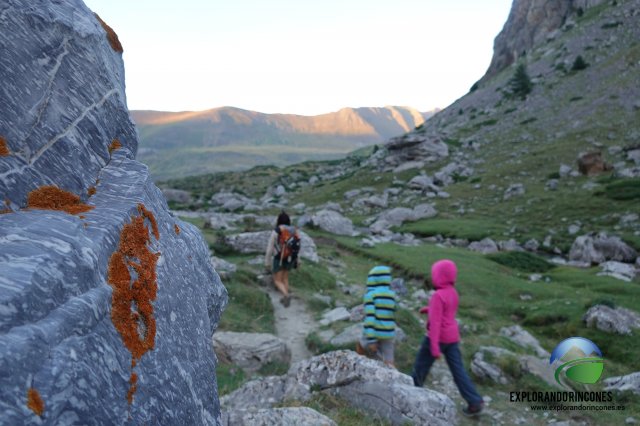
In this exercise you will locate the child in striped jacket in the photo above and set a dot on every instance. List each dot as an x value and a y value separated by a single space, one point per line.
379 321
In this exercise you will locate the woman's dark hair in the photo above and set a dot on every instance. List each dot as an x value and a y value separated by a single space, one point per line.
283 219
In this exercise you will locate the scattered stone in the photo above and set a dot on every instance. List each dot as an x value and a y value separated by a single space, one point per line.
523 338
333 222
484 369
332 206
514 190
222 267
256 242
526 297
564 171
300 207
408 166
356 313
422 183
335 315
628 383
326 299
509 245
250 351
629 218
420 295
398 285
313 180
598 248
532 245
280 191
287 416
621 271
634 155
535 277
612 320
485 246
176 195
631 420
352 194
552 185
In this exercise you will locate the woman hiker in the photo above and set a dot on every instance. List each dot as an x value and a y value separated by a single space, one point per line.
444 337
281 255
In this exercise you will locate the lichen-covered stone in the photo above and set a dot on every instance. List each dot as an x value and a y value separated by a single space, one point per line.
61 354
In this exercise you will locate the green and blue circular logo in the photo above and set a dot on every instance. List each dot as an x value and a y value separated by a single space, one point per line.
580 360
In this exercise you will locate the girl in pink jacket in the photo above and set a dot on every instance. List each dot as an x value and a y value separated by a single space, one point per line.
443 336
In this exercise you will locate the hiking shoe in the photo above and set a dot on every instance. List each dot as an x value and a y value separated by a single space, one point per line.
286 301
473 409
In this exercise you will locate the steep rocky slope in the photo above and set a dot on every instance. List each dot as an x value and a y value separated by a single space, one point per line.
107 301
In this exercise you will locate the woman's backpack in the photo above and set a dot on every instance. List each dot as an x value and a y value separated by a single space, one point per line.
288 244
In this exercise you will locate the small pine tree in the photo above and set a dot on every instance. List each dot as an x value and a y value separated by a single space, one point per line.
520 84
579 64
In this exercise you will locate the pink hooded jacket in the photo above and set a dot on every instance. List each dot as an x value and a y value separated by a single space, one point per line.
442 326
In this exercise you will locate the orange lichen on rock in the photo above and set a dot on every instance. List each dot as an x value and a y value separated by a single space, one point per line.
132 310
115 144
133 382
53 198
91 191
111 35
35 402
4 149
177 229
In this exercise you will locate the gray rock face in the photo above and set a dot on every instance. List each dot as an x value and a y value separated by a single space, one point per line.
256 242
335 315
250 351
63 104
398 215
529 24
222 266
333 222
288 416
367 384
628 383
596 249
618 320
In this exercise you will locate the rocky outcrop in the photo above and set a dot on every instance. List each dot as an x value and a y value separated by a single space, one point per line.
256 242
366 384
485 246
250 351
108 302
530 22
176 195
483 368
612 320
410 147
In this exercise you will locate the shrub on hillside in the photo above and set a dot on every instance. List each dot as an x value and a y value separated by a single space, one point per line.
522 261
579 64
520 84
627 189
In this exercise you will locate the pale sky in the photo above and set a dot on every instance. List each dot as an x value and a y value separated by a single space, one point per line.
302 56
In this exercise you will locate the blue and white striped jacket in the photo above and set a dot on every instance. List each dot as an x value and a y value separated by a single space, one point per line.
379 305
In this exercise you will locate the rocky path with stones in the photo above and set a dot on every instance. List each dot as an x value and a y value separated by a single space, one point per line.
293 324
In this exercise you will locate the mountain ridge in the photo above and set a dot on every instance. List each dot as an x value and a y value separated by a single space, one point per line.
231 138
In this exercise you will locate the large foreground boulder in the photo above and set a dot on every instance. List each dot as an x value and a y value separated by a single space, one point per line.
250 351
256 242
108 302
366 384
628 383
